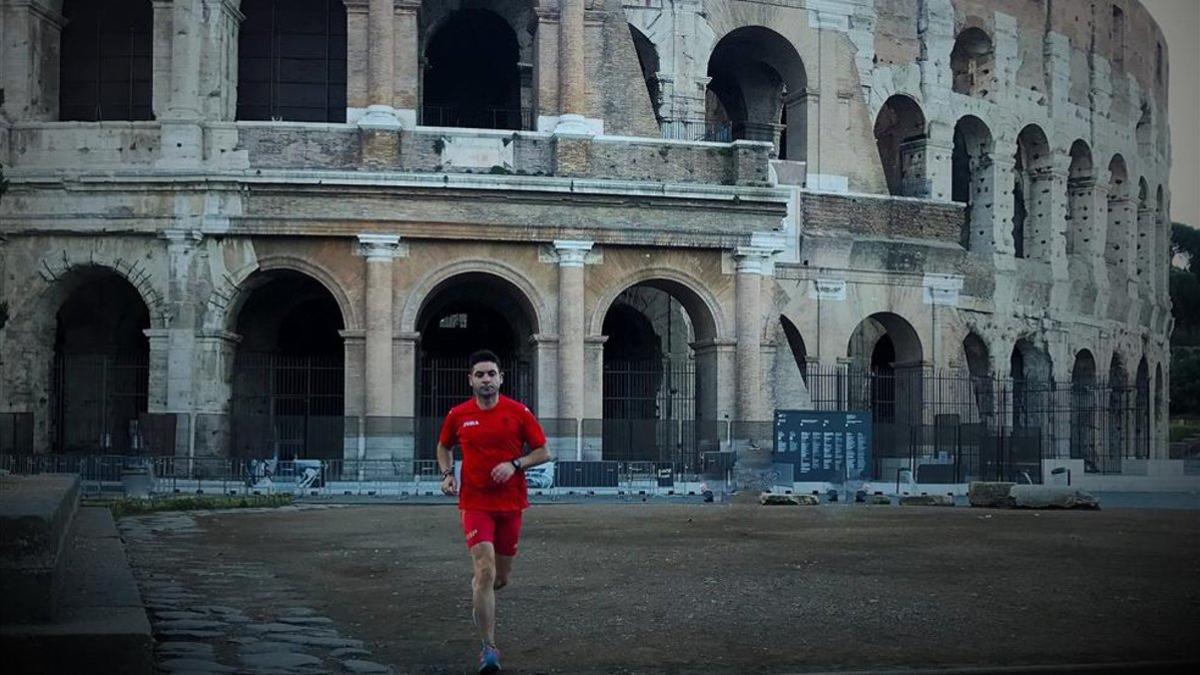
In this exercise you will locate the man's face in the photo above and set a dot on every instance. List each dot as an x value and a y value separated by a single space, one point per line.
485 379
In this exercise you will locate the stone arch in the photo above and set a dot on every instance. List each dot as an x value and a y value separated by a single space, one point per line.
1086 403
532 300
239 291
696 298
61 276
973 63
795 344
759 87
1081 181
886 361
1142 419
1032 373
972 181
900 136
1032 226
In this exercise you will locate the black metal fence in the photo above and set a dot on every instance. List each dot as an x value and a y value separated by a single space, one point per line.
696 130
989 427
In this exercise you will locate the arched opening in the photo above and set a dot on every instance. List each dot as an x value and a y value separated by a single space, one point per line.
972 181
900 137
1120 400
1085 402
758 88
1032 380
887 378
1081 181
1141 411
1160 256
99 391
1119 226
979 369
972 62
471 75
292 61
288 376
795 345
647 55
1032 227
652 398
463 314
105 61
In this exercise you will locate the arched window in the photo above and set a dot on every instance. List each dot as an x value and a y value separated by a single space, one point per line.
648 61
972 181
471 76
105 61
1080 182
973 61
758 89
1031 225
292 61
900 137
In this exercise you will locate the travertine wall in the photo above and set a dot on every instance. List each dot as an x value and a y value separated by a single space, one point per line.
191 205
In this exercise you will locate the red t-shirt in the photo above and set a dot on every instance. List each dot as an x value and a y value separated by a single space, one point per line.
489 437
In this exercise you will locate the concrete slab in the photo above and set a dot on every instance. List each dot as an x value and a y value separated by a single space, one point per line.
35 519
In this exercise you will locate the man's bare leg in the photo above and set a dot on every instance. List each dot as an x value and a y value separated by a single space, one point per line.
504 565
483 597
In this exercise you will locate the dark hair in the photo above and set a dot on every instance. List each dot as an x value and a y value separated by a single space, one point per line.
483 355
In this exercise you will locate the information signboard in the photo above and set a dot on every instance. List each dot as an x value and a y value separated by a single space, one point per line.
823 445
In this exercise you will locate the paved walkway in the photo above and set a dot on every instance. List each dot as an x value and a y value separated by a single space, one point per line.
229 617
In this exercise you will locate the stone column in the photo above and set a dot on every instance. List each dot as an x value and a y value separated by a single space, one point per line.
381 66
751 262
572 91
379 250
571 256
31 32
406 88
182 136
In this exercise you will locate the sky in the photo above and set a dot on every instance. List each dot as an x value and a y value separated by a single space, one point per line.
1180 24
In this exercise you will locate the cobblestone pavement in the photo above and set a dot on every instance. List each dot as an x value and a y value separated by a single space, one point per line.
230 616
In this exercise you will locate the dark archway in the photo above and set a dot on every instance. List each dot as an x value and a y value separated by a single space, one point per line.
99 392
462 314
292 61
1142 415
886 350
900 137
972 62
1086 401
1032 381
1120 400
289 372
471 76
979 369
795 343
972 181
105 61
758 87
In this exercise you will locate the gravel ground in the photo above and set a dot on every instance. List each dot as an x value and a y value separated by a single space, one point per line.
693 588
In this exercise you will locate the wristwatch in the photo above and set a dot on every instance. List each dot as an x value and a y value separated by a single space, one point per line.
517 464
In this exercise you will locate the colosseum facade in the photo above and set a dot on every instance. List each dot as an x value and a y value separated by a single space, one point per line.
275 228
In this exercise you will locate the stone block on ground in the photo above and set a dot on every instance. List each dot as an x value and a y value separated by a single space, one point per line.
776 499
879 500
1051 497
36 513
927 500
990 494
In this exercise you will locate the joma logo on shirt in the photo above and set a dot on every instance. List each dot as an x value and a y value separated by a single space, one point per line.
470 423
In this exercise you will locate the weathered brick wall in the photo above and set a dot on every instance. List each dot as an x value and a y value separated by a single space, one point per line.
617 88
300 147
666 162
883 218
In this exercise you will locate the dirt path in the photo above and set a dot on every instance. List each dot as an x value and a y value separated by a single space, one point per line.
709 588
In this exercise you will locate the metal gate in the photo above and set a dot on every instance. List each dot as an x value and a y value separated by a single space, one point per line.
288 407
96 401
650 410
443 384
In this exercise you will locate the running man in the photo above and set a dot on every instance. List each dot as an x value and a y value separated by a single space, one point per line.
492 430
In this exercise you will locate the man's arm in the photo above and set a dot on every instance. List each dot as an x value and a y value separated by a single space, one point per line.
445 462
505 470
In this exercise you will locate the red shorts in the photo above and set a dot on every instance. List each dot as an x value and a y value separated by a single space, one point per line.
502 528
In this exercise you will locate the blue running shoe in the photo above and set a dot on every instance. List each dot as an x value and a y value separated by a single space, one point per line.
489 659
